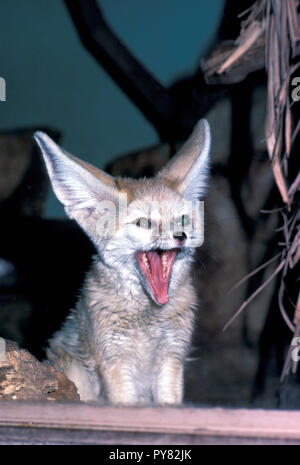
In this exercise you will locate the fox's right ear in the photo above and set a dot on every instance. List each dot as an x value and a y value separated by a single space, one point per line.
77 184
188 169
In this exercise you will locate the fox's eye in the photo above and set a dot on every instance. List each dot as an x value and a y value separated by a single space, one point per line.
185 220
144 223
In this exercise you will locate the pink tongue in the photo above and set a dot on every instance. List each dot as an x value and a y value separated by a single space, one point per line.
160 274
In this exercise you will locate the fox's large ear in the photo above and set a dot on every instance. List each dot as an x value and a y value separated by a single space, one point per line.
188 169
77 184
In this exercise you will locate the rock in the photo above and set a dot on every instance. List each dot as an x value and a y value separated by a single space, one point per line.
23 377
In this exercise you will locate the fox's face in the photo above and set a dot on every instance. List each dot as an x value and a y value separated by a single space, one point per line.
148 229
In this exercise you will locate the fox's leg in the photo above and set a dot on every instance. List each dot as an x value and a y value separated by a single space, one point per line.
87 382
122 384
167 387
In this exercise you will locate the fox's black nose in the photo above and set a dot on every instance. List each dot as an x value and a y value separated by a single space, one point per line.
180 236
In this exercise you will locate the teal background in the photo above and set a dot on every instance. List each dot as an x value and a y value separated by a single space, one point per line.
51 80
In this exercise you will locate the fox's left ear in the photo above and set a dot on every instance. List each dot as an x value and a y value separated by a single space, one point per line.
188 170
77 184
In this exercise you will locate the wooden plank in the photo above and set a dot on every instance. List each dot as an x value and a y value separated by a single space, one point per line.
48 436
196 424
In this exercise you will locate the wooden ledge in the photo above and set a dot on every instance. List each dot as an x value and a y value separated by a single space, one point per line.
217 425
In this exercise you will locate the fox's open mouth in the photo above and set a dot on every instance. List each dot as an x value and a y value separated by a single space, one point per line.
156 265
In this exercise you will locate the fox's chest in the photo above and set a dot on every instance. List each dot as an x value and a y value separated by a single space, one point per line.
143 340
141 332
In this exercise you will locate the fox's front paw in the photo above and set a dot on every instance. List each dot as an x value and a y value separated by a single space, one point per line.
168 388
122 400
127 398
169 397
170 401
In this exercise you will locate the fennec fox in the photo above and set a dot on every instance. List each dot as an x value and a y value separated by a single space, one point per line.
128 337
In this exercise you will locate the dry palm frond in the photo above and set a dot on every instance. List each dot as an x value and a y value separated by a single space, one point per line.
255 293
245 42
279 22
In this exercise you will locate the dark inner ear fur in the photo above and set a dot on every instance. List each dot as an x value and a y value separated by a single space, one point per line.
126 186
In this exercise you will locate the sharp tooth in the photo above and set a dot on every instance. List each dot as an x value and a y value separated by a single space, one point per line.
146 261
